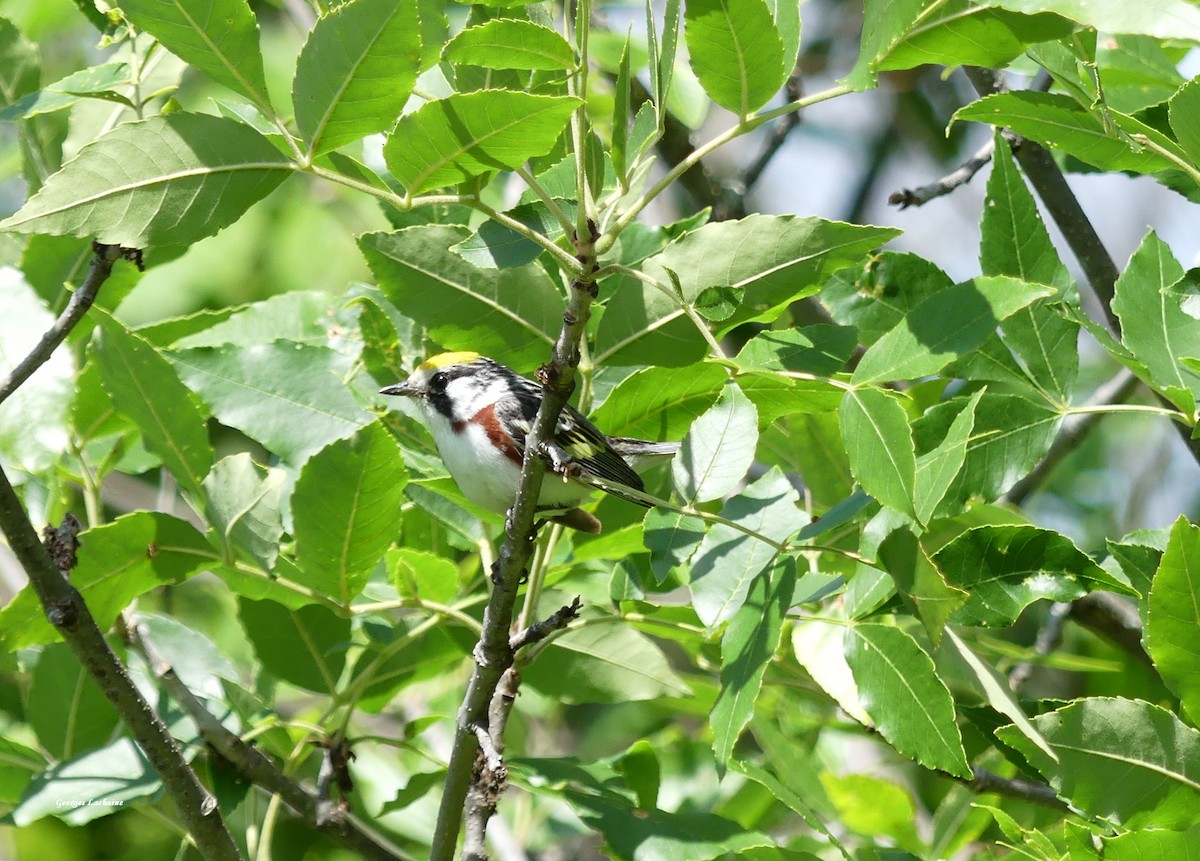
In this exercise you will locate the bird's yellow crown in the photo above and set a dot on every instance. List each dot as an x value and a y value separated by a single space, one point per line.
441 360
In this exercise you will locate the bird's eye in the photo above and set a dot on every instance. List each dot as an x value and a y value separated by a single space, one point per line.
438 381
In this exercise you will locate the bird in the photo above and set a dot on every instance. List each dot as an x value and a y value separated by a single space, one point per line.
479 413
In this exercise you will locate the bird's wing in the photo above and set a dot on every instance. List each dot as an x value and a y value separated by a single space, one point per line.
581 440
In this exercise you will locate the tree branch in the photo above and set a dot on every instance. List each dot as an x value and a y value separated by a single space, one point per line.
69 614
81 300
922 194
256 766
493 653
539 631
490 776
1014 787
1113 618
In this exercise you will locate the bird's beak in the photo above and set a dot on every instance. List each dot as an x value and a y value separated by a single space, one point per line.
402 389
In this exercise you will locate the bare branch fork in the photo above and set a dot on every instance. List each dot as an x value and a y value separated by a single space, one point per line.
330 819
48 567
494 651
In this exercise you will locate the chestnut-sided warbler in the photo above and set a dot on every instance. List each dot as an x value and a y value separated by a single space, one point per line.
479 412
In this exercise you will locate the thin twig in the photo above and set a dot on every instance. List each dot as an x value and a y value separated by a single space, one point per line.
493 653
66 610
539 631
256 767
1075 430
81 300
1014 787
922 194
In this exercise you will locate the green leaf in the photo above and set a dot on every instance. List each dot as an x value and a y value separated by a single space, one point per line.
875 296
918 579
1183 112
118 561
747 647
301 316
346 508
1014 242
719 448
819 648
880 446
146 389
512 314
33 421
288 397
66 708
218 37
640 767
1007 568
1124 760
505 43
820 349
937 469
735 51
729 559
1011 434
1163 19
422 575
944 327
96 81
1153 325
907 701
771 260
660 403
875 807
620 116
306 646
672 539
603 664
193 657
656 835
1173 620
495 246
910 33
95 784
356 72
451 140
1154 843
1060 122
996 692
167 180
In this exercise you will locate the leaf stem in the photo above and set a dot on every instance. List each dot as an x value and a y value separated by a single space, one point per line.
741 128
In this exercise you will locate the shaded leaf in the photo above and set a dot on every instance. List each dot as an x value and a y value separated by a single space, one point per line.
147 390
450 140
747 647
167 180
346 509
907 701
718 449
1124 760
305 646
1007 568
356 71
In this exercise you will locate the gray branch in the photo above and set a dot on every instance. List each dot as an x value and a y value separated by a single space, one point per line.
81 300
66 610
257 767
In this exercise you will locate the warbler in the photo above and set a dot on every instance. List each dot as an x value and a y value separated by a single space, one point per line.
480 412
